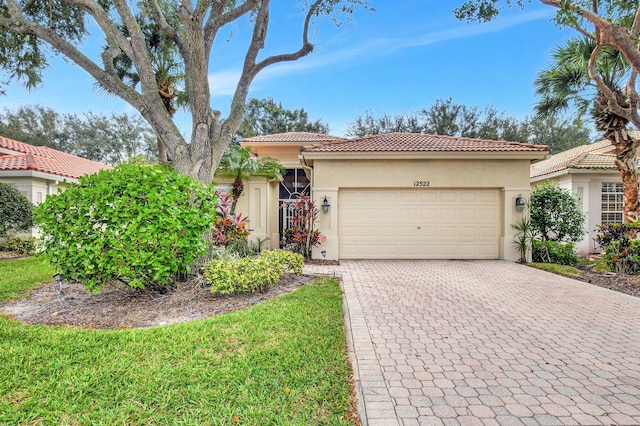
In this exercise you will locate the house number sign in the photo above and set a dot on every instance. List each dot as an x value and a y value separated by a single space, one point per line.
420 183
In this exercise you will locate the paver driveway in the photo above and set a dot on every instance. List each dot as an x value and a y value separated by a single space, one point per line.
488 343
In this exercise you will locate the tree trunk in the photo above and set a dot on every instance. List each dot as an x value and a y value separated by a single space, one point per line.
626 155
627 169
162 152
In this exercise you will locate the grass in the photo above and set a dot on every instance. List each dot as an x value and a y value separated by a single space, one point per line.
17 277
564 270
599 265
280 362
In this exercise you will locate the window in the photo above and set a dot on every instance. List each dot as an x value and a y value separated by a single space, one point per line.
612 203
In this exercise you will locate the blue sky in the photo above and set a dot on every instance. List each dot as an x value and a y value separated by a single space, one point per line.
398 59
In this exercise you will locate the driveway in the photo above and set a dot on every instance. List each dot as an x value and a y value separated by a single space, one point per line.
488 343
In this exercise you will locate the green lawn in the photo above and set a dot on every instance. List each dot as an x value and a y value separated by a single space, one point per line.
280 362
17 277
564 270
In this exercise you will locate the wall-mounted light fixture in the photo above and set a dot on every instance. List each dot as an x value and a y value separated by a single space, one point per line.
325 205
520 203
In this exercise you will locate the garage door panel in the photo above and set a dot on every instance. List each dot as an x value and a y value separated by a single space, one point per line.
426 223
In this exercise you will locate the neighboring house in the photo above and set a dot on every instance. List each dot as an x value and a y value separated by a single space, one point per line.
397 195
589 171
38 171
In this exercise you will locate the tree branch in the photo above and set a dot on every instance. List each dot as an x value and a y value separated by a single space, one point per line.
304 50
164 26
613 101
218 18
610 34
110 81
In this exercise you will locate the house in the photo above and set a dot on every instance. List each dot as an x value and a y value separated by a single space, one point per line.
397 195
589 171
38 171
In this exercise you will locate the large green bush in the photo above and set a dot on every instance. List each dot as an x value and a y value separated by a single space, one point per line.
138 225
228 274
15 210
555 214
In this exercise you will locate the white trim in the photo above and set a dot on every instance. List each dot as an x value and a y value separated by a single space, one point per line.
37 175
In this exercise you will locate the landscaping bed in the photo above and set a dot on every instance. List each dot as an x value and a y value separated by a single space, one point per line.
629 284
124 307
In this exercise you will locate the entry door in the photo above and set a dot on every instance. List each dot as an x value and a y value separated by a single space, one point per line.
294 184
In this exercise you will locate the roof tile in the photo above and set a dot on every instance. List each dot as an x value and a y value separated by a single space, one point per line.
15 155
597 155
416 142
298 137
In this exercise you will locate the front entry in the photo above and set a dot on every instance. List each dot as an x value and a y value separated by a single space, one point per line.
294 184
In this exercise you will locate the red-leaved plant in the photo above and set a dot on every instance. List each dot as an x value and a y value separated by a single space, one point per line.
301 236
227 226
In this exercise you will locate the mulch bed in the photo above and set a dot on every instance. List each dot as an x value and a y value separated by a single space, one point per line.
629 284
121 307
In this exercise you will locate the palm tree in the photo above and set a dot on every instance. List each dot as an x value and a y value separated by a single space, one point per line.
167 68
240 163
567 83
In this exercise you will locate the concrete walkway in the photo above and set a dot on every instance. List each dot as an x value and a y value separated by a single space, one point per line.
488 343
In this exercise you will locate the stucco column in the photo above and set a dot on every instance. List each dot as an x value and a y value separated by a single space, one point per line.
327 223
508 249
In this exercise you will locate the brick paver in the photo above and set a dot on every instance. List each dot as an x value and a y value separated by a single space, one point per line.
488 342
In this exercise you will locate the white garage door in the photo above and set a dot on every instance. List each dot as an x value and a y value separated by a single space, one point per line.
425 223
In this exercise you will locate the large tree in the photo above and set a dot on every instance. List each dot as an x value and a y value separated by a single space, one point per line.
266 117
32 28
567 83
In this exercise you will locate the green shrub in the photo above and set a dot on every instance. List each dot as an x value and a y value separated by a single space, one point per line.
15 210
554 252
26 246
228 276
292 262
137 225
555 214
623 256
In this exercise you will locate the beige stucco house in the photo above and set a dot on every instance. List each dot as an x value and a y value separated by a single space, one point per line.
589 171
396 196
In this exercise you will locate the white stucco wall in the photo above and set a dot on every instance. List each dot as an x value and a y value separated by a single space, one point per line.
588 188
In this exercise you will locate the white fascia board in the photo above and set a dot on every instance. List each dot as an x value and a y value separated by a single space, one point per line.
37 175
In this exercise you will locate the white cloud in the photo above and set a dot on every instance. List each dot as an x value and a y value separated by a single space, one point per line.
223 83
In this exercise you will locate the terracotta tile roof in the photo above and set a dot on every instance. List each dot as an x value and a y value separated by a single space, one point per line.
16 155
598 155
415 142
293 137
